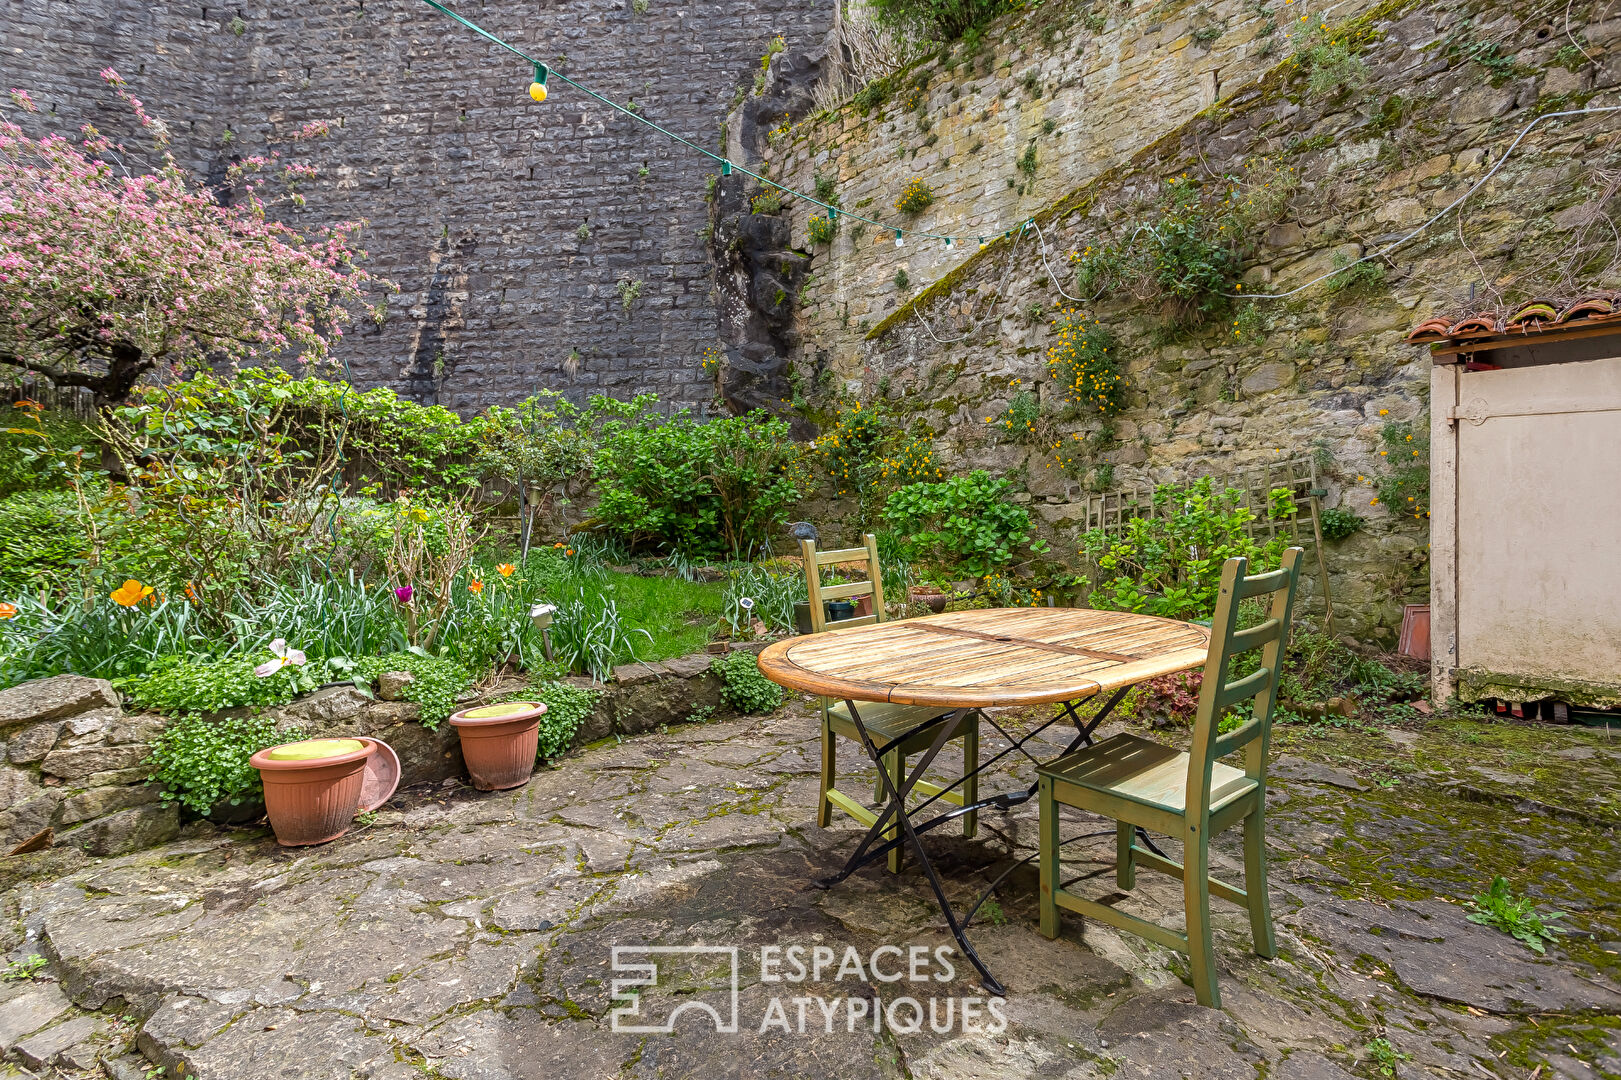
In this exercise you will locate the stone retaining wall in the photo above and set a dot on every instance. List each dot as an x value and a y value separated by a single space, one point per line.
73 759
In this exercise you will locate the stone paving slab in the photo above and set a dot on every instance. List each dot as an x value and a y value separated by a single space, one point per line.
473 935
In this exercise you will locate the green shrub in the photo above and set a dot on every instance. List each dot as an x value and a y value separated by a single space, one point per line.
1168 560
200 762
963 520
742 685
1190 248
721 486
567 708
435 683
181 685
28 461
1338 523
42 540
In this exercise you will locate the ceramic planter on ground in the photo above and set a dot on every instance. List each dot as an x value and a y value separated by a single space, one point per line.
314 788
499 742
934 598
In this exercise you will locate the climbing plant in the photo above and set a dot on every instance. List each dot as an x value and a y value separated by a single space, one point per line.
1188 249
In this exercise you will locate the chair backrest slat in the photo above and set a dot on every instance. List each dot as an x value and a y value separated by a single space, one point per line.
816 592
1260 686
840 555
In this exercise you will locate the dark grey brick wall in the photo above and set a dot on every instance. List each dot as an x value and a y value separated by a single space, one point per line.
473 192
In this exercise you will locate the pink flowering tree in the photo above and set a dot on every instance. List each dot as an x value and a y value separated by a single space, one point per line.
109 271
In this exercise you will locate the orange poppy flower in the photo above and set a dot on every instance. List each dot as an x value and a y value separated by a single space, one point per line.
130 593
8 611
475 586
505 569
570 551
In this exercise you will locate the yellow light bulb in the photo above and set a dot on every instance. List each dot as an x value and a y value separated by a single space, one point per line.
537 91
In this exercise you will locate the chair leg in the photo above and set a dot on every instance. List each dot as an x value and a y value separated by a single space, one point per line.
1049 860
1125 865
1196 900
896 766
1255 886
970 787
830 757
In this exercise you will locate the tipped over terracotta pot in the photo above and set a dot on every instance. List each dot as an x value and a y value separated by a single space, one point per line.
499 742
312 788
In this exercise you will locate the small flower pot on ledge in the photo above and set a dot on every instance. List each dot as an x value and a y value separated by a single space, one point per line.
313 788
499 742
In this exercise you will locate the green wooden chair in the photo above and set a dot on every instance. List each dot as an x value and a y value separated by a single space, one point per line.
1187 795
883 720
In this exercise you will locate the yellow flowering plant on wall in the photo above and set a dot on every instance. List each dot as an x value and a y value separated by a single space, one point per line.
1082 362
916 197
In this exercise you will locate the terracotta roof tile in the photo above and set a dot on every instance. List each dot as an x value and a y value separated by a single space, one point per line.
1527 317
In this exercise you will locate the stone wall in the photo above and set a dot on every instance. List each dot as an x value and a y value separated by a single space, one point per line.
475 194
73 764
73 761
1319 374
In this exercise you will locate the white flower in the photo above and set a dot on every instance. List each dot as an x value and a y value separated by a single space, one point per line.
282 657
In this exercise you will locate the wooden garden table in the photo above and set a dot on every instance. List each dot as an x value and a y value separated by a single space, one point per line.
966 661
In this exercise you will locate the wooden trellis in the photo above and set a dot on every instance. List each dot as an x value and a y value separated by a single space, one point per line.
1110 511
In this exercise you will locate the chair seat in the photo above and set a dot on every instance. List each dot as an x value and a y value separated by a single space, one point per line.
885 720
1145 772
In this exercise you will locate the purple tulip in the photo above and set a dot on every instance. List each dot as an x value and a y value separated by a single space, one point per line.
404 594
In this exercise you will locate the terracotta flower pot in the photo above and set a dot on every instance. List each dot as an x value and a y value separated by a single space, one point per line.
312 788
499 742
934 598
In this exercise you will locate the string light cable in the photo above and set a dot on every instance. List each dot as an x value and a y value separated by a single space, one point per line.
539 92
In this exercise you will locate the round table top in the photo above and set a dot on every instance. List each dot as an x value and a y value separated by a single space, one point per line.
994 656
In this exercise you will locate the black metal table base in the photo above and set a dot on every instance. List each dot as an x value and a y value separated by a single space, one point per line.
910 832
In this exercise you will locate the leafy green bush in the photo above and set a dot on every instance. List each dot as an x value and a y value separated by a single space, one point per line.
946 20
701 488
1190 248
1338 523
435 683
865 452
742 685
43 540
1168 560
26 459
963 520
567 707
182 685
201 762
